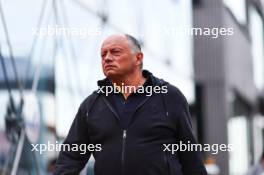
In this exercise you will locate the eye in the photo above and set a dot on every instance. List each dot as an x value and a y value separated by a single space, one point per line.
103 55
115 51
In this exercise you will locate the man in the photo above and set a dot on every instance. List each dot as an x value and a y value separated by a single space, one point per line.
134 127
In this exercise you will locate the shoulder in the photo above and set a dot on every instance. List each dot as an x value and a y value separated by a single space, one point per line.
175 94
172 92
88 102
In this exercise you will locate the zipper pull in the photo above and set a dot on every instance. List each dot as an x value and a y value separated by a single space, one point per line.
124 134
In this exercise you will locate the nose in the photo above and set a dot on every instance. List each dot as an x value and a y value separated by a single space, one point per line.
108 57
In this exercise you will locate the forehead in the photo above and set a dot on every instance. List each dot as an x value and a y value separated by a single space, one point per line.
115 42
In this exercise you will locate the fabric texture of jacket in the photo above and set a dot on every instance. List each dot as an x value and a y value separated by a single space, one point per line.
162 118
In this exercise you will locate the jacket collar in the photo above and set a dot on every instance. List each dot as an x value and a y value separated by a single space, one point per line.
148 75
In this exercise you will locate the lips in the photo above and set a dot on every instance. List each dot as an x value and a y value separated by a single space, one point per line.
109 66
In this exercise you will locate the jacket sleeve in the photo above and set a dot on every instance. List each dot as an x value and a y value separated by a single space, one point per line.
191 161
72 162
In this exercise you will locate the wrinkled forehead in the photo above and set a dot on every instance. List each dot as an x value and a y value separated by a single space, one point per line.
115 41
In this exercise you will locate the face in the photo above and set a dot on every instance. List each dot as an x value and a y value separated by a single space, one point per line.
117 57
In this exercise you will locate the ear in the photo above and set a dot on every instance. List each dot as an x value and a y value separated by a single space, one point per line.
139 58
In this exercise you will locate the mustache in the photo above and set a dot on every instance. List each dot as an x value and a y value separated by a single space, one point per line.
109 65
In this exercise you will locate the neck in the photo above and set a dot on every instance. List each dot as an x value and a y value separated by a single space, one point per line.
134 79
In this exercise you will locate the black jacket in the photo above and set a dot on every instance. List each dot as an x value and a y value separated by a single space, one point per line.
138 150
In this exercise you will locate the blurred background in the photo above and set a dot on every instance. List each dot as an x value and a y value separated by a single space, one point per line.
50 61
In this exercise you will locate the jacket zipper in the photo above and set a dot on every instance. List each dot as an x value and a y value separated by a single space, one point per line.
123 151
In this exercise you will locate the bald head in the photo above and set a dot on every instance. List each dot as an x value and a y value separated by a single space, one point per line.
129 39
122 51
115 37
